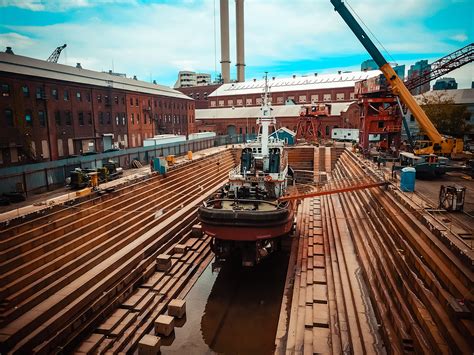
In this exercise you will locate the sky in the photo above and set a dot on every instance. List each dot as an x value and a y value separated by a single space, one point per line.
154 39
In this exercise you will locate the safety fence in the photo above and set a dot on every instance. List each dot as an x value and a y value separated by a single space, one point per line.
45 176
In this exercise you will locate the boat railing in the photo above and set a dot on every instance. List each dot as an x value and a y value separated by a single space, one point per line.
277 205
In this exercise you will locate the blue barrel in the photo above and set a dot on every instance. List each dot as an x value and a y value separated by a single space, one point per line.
407 179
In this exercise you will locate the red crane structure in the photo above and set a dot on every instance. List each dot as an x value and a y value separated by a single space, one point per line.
309 123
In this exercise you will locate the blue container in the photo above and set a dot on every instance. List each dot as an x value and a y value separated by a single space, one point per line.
407 179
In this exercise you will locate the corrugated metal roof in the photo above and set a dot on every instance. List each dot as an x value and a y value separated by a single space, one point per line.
321 81
34 67
255 112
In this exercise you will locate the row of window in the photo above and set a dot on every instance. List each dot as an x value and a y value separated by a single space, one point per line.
40 94
85 118
281 100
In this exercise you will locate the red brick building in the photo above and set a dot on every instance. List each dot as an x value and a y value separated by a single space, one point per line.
233 107
243 120
49 111
200 94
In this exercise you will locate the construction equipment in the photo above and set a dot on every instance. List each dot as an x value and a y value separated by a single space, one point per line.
53 58
80 178
437 143
443 66
451 198
309 122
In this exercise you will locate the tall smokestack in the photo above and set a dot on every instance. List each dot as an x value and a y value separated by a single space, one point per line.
240 40
225 55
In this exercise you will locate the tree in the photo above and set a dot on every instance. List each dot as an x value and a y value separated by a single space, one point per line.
449 118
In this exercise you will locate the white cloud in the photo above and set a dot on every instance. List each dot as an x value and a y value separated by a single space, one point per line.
16 40
460 37
164 38
58 5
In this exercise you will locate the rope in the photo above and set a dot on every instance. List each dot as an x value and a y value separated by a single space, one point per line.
373 35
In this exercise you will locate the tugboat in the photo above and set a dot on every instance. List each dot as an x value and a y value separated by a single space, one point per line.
246 217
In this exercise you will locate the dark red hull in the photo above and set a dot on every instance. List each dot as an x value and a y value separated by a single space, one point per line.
247 225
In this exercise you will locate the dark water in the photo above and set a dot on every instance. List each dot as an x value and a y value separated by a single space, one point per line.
234 311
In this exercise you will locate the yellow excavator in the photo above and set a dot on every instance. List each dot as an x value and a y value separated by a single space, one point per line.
437 144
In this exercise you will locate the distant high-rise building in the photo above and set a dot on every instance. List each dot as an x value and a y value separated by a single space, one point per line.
419 68
369 64
445 84
188 79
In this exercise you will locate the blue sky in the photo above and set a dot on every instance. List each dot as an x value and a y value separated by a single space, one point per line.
156 39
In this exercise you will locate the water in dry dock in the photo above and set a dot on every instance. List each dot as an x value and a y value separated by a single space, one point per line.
233 311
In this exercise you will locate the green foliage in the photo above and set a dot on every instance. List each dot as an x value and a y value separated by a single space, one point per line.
449 118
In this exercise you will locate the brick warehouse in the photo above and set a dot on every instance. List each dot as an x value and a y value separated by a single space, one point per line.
232 101
49 110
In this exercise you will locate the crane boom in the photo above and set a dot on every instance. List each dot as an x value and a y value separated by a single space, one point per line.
53 58
439 144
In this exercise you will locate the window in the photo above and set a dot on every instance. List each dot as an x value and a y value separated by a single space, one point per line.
117 120
107 100
108 118
116 100
340 96
314 98
132 119
144 118
57 118
302 98
68 117
352 96
89 118
54 93
28 118
131 101
123 118
258 101
88 97
221 103
26 91
154 103
39 93
380 124
78 96
136 102
149 103
213 104
42 118
240 102
80 117
230 102
5 90
66 95
327 130
99 98
327 97
248 101
9 117
279 99
123 100
101 117
138 118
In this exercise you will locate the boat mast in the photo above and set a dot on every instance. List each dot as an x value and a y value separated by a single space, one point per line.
266 119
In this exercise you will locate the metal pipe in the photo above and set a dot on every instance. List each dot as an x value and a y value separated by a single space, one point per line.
225 53
240 40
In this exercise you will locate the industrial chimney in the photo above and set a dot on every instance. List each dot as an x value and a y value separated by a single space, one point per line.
239 11
225 54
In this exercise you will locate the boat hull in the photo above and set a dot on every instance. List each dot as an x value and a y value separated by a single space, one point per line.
246 225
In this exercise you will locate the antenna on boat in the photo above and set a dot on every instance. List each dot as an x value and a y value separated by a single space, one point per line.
266 119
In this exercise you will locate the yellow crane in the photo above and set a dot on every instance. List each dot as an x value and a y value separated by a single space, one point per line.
437 143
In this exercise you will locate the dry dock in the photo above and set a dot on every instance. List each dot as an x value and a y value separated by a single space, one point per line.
369 271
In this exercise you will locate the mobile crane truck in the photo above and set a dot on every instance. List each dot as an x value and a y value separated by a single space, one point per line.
437 143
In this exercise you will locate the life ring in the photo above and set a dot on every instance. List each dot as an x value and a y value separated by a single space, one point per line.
268 178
